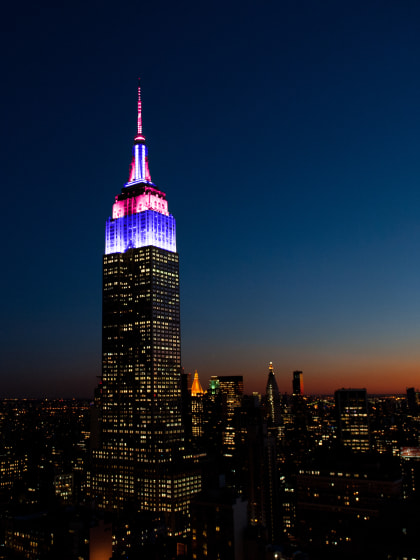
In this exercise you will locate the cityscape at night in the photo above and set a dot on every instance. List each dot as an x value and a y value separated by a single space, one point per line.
211 346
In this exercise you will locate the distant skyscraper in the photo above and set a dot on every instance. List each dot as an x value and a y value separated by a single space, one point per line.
272 397
196 388
214 386
232 388
197 407
352 418
140 457
413 401
298 383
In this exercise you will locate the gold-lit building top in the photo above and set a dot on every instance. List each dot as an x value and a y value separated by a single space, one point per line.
196 388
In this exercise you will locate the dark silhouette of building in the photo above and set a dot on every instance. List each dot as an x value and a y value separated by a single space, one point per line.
257 468
219 519
413 401
297 383
141 457
186 405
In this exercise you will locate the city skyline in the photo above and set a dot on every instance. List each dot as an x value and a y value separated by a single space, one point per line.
287 138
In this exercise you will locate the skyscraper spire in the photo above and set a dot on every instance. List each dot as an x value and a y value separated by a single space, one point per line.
139 137
139 168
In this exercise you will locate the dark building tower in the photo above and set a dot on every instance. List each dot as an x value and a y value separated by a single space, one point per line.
413 401
353 419
232 389
140 454
272 398
297 383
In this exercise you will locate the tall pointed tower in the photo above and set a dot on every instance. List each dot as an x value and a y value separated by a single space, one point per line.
140 455
272 397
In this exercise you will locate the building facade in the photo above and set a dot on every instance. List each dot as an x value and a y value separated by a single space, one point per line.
140 455
232 389
352 419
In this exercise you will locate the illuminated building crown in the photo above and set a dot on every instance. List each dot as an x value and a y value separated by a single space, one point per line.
196 388
140 215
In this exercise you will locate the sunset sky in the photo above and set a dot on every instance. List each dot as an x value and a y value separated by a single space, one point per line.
286 135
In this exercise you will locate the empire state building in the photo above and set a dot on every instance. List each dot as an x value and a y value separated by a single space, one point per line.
139 456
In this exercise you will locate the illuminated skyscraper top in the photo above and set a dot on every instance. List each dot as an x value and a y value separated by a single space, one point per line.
140 215
196 388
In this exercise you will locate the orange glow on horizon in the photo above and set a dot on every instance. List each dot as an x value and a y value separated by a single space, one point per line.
387 377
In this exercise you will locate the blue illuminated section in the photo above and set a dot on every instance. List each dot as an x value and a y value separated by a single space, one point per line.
140 216
140 230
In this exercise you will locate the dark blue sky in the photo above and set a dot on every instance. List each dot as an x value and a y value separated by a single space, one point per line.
286 136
